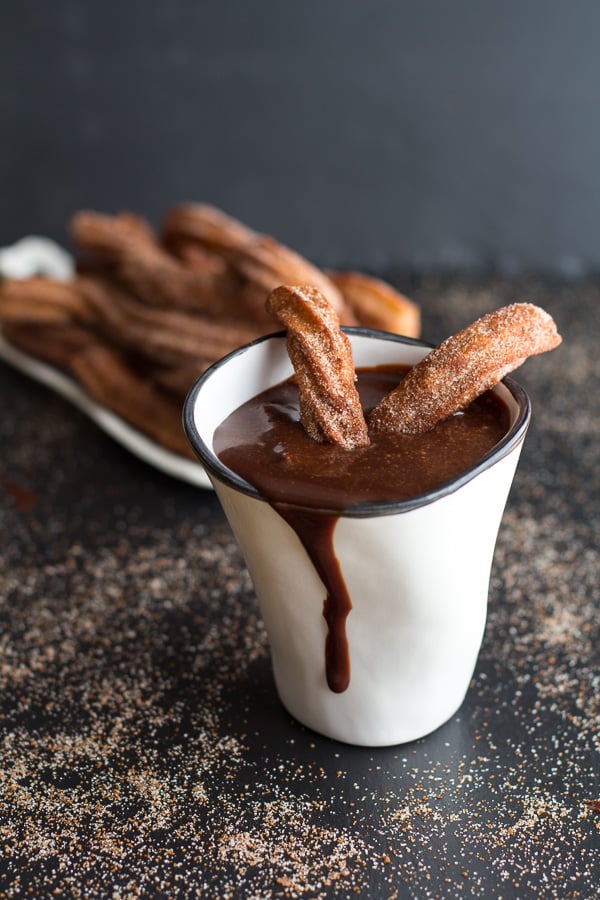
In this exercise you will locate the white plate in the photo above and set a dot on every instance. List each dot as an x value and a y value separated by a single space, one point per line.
118 429
40 256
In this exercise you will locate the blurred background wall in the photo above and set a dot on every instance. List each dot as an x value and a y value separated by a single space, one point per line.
461 135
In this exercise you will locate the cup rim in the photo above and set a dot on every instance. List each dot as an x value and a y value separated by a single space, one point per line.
513 437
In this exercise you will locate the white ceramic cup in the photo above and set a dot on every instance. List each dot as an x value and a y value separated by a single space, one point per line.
417 570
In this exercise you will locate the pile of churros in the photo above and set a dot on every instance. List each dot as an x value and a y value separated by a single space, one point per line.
443 383
148 311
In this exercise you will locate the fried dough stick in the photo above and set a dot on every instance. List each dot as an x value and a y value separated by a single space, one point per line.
112 383
464 366
263 261
377 304
128 246
164 336
53 342
330 408
177 380
36 300
106 375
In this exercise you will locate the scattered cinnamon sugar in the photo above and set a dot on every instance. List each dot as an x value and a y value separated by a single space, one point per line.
144 751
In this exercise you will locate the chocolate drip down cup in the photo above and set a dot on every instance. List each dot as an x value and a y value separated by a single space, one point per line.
416 571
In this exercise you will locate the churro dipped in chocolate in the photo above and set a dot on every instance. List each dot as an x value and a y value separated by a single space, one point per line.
330 408
464 366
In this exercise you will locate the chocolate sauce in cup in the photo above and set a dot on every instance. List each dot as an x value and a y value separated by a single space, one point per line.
371 566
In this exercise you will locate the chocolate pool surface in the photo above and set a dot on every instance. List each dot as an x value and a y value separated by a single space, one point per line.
144 752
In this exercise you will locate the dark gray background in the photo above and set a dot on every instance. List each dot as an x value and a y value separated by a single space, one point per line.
411 134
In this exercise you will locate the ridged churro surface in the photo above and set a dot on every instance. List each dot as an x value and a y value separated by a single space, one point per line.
322 359
163 305
464 366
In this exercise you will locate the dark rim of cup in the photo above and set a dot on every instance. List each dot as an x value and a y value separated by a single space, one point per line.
514 436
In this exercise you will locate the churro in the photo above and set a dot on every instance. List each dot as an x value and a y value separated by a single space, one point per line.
165 336
36 300
111 382
128 246
377 304
55 343
162 308
177 380
260 259
330 408
464 366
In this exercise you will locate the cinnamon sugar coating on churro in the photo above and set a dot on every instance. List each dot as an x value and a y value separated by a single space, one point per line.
320 352
464 366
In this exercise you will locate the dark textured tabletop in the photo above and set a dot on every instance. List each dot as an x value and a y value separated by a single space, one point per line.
143 750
